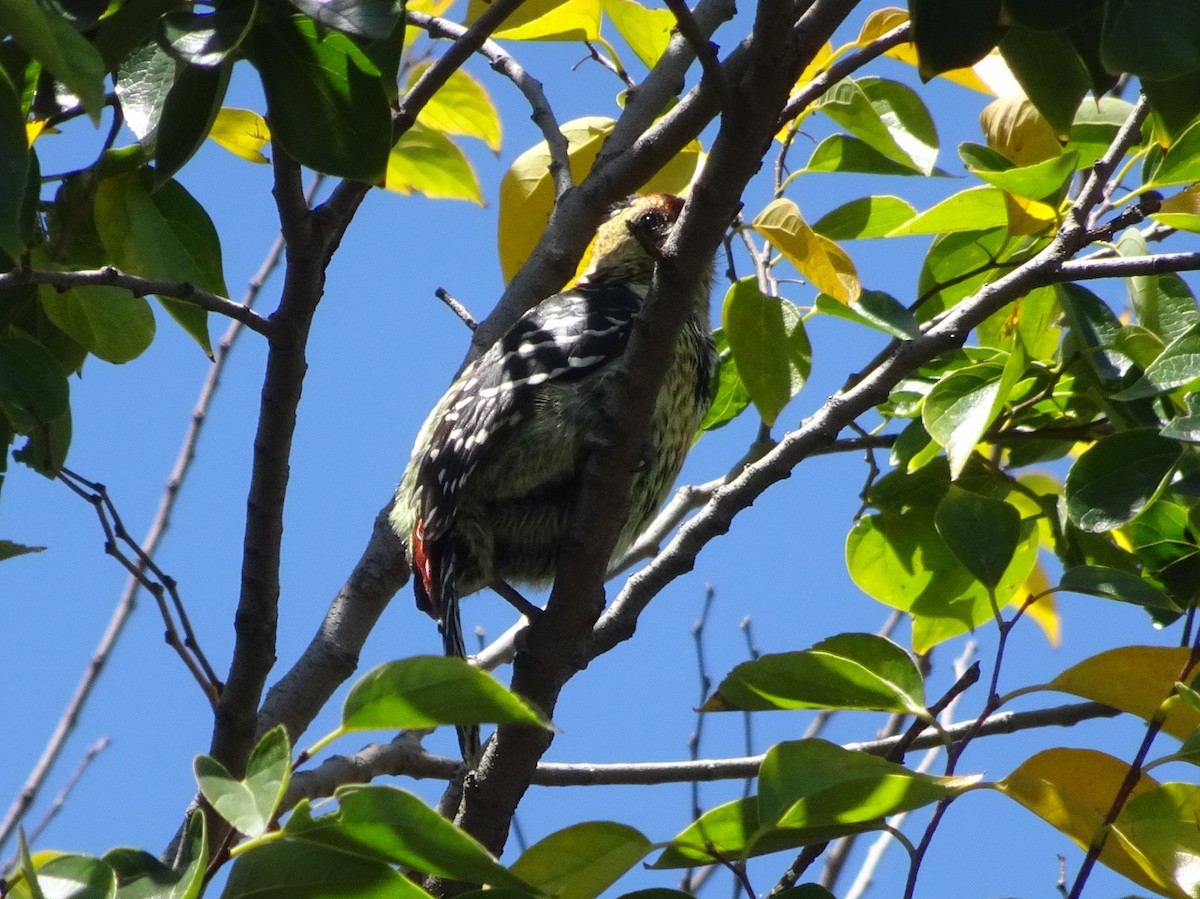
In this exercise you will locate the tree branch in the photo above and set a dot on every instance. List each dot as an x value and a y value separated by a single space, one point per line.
139 286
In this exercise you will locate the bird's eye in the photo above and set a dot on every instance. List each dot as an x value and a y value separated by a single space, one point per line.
652 220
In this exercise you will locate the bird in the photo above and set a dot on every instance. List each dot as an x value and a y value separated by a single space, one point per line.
490 486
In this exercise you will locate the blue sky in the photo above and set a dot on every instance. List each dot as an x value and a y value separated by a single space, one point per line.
383 349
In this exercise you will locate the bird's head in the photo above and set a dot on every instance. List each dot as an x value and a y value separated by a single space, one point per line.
628 243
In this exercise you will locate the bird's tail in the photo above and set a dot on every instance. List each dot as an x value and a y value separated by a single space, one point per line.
454 646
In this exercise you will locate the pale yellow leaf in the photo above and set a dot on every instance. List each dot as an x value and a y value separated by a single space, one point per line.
1134 679
1073 789
825 264
1044 612
427 162
647 31
460 106
242 132
546 20
1015 128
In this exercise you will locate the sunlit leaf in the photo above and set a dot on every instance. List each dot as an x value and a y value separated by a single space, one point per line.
581 861
983 533
647 31
546 20
242 132
864 217
1113 583
286 869
818 259
427 162
249 804
460 106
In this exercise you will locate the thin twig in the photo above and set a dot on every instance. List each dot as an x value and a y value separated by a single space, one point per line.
463 313
108 276
61 799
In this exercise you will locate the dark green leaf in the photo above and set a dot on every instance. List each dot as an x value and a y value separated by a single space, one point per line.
767 338
1178 364
956 265
1095 328
1157 39
369 18
284 869
191 107
395 827
206 39
14 172
325 101
1117 477
982 533
1175 102
875 309
952 35
142 876
1164 303
1049 15
425 691
53 42
8 549
864 217
1112 583
33 388
847 671
1050 71
581 861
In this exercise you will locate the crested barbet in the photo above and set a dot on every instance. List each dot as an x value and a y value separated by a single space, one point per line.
495 471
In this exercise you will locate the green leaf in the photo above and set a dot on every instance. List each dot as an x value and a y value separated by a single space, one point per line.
902 561
395 827
460 106
57 46
843 153
982 533
1181 164
1095 329
1176 365
10 550
249 804
864 217
767 338
368 18
815 783
33 388
1156 39
187 116
1038 181
165 234
300 870
963 404
110 322
888 116
425 691
731 398
647 31
1159 825
875 309
207 39
1164 303
952 35
581 861
1115 478
956 265
142 876
325 101
971 210
143 82
14 171
429 163
65 877
1113 583
733 831
1050 71
847 671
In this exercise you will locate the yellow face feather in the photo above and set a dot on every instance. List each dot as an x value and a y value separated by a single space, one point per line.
624 245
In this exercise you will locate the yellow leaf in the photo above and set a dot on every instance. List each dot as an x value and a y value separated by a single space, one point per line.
1044 612
1134 679
1182 210
990 75
241 132
820 260
1026 216
546 20
1073 789
429 163
1015 128
527 189
460 106
647 31
34 129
